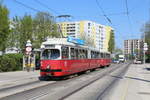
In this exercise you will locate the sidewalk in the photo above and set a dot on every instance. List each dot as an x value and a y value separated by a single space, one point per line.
135 85
19 77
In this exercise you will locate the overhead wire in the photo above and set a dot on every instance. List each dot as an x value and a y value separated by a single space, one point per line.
107 18
34 9
20 3
129 21
44 5
97 16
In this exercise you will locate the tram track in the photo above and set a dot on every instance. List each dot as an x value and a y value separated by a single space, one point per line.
4 92
77 87
89 83
101 94
43 91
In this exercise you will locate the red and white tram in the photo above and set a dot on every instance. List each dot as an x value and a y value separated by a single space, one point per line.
61 58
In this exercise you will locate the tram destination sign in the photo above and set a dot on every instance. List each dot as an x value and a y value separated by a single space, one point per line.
49 46
75 40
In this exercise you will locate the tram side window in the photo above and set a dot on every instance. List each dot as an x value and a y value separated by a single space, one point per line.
72 53
86 54
108 55
97 55
76 53
82 54
92 54
102 56
65 52
105 55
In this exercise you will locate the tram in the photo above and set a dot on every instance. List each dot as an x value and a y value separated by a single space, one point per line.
62 58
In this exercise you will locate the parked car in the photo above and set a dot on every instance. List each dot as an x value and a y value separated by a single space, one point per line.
137 61
116 61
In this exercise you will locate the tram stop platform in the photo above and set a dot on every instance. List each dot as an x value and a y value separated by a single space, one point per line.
134 85
8 79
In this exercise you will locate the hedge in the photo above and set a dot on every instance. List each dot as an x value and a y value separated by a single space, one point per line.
11 62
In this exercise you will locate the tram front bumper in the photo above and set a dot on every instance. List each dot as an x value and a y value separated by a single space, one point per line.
51 70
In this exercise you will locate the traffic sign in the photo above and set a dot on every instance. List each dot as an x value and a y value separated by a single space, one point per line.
28 49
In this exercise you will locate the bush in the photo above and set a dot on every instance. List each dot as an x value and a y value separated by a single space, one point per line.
10 62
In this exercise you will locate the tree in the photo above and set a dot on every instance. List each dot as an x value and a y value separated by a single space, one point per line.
146 34
111 43
13 38
44 27
25 29
36 29
118 51
88 40
4 27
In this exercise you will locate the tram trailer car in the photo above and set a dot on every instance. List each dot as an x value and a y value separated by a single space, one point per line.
61 58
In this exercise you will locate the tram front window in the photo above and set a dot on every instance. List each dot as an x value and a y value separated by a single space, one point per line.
51 54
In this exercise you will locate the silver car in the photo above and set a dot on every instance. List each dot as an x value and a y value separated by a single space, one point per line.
137 61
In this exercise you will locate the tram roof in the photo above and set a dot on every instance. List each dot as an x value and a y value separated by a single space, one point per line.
61 41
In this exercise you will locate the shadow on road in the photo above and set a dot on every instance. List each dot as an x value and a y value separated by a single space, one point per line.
147 69
134 78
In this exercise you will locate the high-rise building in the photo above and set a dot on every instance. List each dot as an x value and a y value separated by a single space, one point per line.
108 32
96 34
132 47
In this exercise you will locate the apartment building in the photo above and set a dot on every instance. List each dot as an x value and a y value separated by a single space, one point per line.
96 34
132 47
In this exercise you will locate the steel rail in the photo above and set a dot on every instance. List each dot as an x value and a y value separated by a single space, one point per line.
101 76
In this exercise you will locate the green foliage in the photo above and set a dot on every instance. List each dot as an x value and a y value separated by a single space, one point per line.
118 51
13 39
36 29
10 62
111 43
26 30
44 26
146 32
4 27
129 57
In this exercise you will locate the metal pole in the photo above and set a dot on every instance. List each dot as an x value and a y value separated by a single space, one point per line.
143 49
144 57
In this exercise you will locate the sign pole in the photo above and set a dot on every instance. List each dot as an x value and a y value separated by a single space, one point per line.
145 49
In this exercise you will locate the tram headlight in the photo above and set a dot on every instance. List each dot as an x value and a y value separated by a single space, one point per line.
48 67
41 63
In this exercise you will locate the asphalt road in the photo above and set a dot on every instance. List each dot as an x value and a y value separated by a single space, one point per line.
105 79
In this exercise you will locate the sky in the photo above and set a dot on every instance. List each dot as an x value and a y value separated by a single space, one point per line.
125 26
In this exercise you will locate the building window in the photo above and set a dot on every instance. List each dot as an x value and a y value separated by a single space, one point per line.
89 24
